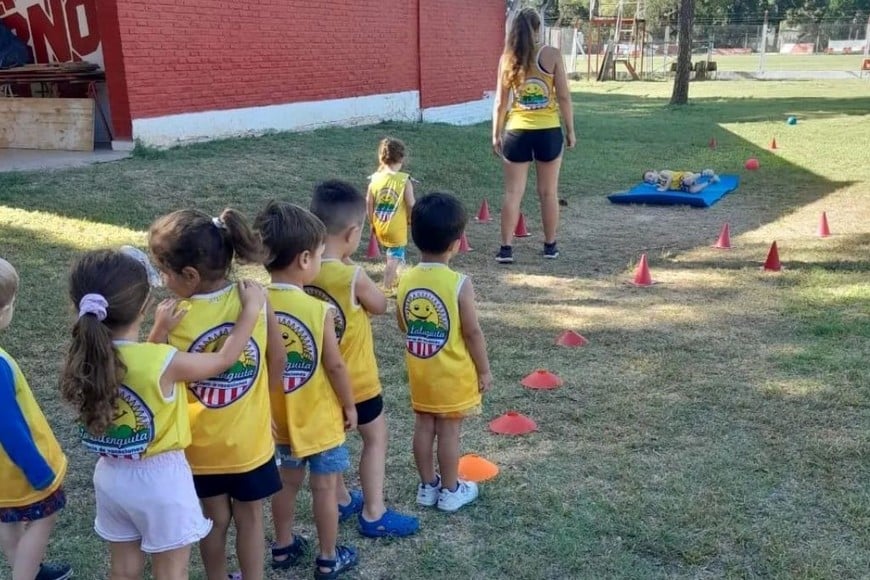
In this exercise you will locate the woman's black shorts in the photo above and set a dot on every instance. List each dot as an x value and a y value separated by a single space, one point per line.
525 145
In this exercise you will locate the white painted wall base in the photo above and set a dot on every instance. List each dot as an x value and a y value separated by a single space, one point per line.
462 113
191 127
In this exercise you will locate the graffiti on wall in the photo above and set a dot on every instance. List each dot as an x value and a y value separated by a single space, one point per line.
55 30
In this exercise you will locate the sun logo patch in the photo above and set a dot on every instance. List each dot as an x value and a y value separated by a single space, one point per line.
301 350
427 322
339 318
534 95
130 432
386 204
235 382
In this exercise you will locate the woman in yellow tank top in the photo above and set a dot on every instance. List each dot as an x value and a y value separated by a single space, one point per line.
532 101
133 413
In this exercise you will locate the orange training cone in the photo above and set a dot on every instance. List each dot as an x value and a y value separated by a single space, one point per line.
521 231
724 241
571 339
463 244
773 143
373 250
713 143
642 275
772 263
513 423
483 214
475 468
824 230
541 379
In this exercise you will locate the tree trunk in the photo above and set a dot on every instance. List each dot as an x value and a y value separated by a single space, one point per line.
680 96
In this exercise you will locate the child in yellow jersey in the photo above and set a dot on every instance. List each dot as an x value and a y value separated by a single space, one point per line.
133 415
389 201
687 181
448 367
32 464
354 297
312 401
232 453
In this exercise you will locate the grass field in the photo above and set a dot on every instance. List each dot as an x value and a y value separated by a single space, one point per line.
785 62
716 426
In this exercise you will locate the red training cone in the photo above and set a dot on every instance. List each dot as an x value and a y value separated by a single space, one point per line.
713 143
773 143
772 263
521 231
571 339
513 423
724 241
483 214
824 230
373 250
463 244
541 379
642 275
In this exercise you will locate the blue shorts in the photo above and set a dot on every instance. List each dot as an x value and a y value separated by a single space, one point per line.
335 460
397 253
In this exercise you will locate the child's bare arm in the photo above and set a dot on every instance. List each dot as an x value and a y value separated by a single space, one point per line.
473 335
368 294
409 198
336 370
276 353
370 204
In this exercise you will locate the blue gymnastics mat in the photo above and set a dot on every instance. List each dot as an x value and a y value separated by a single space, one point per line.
645 193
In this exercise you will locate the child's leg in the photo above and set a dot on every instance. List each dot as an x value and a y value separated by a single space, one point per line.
325 511
447 431
372 464
284 506
250 537
342 495
24 545
126 561
424 444
213 547
10 536
171 565
390 272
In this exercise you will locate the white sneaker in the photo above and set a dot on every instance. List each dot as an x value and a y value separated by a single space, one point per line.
427 494
465 493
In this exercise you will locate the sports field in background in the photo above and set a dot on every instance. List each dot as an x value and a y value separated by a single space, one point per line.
787 62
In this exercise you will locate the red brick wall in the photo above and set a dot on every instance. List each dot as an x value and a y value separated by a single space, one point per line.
460 43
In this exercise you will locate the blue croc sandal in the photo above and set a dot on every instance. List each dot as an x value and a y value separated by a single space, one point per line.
345 559
391 525
355 506
294 551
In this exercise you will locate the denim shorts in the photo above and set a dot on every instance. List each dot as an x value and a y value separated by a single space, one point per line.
335 460
397 253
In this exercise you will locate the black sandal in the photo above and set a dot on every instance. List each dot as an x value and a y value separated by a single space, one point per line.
294 551
345 559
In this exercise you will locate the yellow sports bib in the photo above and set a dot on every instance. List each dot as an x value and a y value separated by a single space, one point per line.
442 375
390 214
307 415
229 414
534 104
15 490
145 422
335 285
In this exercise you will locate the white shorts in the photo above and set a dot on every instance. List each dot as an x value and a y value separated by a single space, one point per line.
150 500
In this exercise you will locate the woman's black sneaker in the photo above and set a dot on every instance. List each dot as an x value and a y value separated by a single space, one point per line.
505 255
551 251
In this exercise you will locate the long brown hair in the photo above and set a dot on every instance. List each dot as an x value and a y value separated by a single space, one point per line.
93 370
519 47
192 238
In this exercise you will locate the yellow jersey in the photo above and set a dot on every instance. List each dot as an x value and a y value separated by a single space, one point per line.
441 373
533 105
230 422
16 491
389 212
676 180
307 414
145 423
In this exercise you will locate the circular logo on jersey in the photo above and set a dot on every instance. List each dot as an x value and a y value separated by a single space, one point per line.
340 320
386 204
427 322
301 352
235 382
534 95
131 429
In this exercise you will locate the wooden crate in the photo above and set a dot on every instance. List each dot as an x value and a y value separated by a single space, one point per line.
50 124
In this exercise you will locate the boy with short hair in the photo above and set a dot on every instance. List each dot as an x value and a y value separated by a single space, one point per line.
312 402
354 296
448 368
